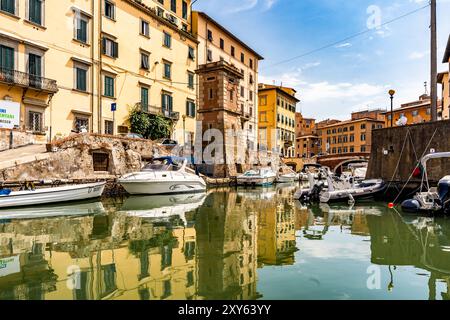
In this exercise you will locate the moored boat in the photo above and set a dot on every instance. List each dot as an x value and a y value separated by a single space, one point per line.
165 175
257 177
78 192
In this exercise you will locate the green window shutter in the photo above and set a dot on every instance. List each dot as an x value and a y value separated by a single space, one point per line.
187 108
115 49
35 11
144 98
8 6
82 30
109 86
163 102
6 58
170 103
81 79
104 45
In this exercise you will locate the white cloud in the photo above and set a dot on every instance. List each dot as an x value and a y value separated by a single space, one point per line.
269 4
244 5
418 55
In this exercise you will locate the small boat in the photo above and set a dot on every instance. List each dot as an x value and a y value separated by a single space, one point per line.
164 175
78 192
286 175
434 200
257 177
363 190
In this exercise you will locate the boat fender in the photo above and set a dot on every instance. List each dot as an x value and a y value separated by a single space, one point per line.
411 205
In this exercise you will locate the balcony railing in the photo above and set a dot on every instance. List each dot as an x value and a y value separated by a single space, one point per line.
175 116
22 79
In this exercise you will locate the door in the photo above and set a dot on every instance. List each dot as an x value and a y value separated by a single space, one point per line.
35 70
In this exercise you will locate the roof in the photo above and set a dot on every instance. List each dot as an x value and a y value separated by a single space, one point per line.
279 89
441 76
350 122
417 106
447 52
205 16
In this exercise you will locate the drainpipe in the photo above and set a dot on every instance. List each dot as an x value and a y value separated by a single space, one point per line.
100 65
93 66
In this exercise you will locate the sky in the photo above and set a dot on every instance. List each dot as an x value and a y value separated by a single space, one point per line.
350 75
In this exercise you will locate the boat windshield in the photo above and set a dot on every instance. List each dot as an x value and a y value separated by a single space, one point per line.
252 173
160 165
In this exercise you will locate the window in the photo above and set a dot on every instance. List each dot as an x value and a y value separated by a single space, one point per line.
185 10
190 80
211 94
167 40
100 161
352 138
352 128
35 66
231 95
109 127
167 70
35 121
352 149
210 36
6 58
81 78
251 79
242 57
251 63
251 95
363 137
363 126
263 101
363 149
232 51
109 87
190 108
81 122
242 91
144 99
110 47
191 53
81 25
35 11
8 6
145 57
263 116
184 27
145 28
110 9
428 111
166 102
222 44
209 55
173 5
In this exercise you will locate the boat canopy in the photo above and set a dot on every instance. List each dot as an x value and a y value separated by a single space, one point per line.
437 155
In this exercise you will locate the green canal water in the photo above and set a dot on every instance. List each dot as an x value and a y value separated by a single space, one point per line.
228 244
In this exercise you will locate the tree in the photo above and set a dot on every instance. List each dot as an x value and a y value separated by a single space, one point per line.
150 126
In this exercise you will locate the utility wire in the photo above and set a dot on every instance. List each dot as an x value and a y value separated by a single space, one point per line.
345 39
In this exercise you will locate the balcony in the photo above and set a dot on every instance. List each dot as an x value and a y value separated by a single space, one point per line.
245 115
157 111
26 80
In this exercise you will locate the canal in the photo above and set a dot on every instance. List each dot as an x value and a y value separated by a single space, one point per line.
228 244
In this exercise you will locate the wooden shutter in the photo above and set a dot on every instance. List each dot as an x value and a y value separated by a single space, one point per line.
115 49
104 45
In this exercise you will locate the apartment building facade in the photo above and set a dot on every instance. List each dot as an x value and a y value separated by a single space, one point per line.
306 138
88 63
217 44
351 136
444 80
415 112
277 108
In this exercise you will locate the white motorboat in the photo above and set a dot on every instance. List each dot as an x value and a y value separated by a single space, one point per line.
286 175
163 206
51 195
49 211
165 175
431 200
257 177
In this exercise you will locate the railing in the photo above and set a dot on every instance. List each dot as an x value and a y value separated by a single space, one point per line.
23 79
155 110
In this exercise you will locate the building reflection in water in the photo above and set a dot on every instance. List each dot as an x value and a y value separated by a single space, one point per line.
202 247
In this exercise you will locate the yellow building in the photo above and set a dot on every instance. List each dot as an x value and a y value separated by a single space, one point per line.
65 66
443 78
276 121
415 112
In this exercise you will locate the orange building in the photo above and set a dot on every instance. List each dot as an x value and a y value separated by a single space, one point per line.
415 112
307 141
349 136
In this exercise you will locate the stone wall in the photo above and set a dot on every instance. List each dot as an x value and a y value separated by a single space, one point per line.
387 151
72 158
20 139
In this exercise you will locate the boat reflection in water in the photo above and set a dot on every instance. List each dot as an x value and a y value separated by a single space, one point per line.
228 244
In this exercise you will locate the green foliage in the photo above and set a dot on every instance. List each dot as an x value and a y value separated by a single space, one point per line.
150 126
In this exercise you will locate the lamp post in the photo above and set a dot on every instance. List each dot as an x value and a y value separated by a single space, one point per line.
392 93
184 131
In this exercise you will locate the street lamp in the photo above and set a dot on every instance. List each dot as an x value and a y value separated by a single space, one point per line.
184 131
392 93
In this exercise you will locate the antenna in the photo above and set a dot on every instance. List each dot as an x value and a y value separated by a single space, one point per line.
426 87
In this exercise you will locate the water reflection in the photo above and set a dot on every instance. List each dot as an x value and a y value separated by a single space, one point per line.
230 244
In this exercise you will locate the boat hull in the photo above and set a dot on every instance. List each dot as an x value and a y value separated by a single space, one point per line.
286 179
162 187
52 195
267 181
356 193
